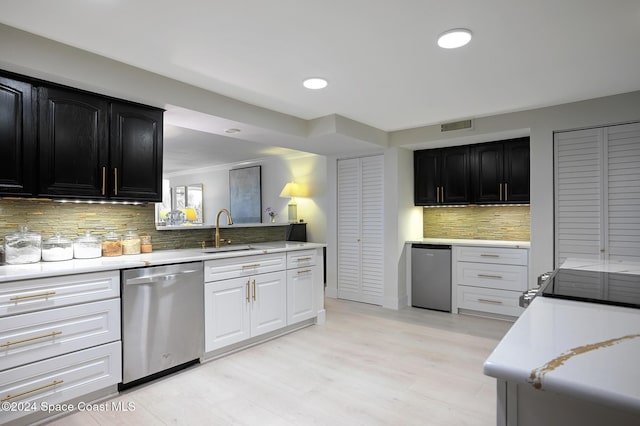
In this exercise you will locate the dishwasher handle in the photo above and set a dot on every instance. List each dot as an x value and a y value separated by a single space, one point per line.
159 277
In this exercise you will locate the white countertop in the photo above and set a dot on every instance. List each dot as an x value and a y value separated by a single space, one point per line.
463 242
158 257
587 350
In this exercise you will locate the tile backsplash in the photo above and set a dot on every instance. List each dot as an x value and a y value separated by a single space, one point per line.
71 219
511 223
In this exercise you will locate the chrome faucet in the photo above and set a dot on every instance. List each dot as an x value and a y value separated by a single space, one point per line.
229 222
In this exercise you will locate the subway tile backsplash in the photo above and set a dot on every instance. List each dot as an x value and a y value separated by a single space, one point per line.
510 223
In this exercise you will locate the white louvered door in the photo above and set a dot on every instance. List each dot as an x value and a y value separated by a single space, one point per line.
361 229
597 193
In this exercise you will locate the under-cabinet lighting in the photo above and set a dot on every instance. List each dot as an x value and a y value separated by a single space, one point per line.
121 203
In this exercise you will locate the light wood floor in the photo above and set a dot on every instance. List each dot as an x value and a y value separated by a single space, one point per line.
365 366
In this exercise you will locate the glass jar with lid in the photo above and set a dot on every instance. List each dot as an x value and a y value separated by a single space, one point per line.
87 246
131 243
57 248
111 245
23 246
145 244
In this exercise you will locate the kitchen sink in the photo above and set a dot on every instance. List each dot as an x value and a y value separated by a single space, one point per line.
227 248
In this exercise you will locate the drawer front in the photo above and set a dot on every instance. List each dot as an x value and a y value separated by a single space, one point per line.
302 258
238 267
19 297
501 302
38 335
502 255
60 379
503 277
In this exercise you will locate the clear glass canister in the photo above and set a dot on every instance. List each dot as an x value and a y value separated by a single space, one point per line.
111 245
23 246
87 246
57 248
131 243
145 243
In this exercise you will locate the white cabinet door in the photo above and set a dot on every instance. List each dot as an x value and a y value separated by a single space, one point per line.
361 229
300 300
268 302
227 312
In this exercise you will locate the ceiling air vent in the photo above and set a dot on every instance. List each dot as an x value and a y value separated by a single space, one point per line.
456 125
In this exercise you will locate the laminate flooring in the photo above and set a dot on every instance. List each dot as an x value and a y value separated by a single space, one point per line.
365 366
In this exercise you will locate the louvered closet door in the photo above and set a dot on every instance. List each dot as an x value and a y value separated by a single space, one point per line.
623 174
578 170
361 229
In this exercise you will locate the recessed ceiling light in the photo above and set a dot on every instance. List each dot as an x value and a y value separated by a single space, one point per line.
315 83
454 38
232 131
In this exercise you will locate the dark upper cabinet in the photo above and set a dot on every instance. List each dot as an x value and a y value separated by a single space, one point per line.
18 145
136 153
441 176
74 142
501 171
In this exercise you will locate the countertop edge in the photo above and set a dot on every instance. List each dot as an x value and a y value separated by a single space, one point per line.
477 243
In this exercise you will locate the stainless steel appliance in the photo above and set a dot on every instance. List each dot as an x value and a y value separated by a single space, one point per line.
162 320
431 276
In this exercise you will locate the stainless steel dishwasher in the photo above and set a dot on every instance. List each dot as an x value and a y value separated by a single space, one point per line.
162 320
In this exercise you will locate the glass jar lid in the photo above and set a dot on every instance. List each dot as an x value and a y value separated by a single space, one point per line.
87 237
111 236
24 234
57 239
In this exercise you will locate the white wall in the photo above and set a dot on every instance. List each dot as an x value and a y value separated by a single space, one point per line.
306 169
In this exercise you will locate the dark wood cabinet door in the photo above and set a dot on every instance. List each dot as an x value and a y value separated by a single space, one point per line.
517 170
488 172
454 177
136 153
17 138
426 175
73 144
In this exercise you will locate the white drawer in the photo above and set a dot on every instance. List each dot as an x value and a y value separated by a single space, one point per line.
502 255
18 297
504 277
38 335
237 267
300 259
501 302
60 379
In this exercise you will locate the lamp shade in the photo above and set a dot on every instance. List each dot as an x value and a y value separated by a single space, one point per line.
293 189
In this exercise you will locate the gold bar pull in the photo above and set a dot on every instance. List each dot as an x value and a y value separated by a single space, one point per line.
442 194
489 255
500 192
32 296
489 276
506 192
304 271
493 302
10 397
302 259
17 342
115 181
437 194
253 265
104 181
248 293
254 290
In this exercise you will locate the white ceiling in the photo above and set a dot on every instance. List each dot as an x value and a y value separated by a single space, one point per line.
380 57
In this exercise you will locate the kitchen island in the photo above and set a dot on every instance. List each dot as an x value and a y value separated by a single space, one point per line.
567 362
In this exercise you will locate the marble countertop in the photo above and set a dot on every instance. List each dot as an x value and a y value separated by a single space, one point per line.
158 257
587 350
481 243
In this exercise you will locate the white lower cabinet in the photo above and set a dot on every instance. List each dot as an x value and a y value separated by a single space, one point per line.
490 280
237 309
301 285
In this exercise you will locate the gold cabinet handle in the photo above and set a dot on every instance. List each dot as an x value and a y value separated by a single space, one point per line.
104 181
302 259
493 302
489 255
506 192
442 194
254 290
17 342
10 397
253 265
489 276
32 296
248 293
304 271
115 181
500 192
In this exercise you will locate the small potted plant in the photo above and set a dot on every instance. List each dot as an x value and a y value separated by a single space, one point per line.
272 214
